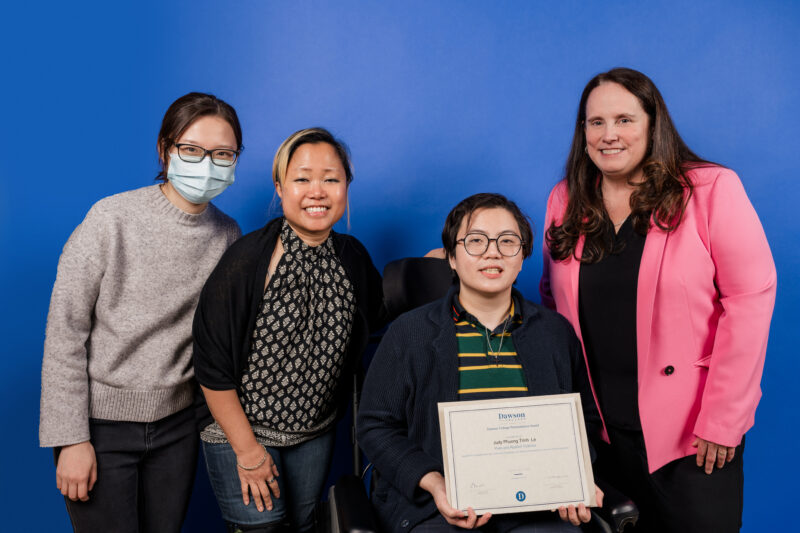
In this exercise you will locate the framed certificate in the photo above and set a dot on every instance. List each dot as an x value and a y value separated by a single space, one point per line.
516 455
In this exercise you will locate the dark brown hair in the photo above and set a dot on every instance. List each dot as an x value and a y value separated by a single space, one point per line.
662 194
485 200
183 112
308 136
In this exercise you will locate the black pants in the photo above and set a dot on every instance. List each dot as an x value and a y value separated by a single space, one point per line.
678 497
145 473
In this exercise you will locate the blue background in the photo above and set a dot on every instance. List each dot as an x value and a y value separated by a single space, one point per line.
437 100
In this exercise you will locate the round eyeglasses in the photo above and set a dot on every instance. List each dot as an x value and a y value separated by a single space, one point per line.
508 244
222 157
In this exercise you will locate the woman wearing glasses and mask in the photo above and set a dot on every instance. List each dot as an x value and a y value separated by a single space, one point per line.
280 324
117 384
482 340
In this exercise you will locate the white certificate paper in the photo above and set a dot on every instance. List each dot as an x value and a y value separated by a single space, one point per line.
516 455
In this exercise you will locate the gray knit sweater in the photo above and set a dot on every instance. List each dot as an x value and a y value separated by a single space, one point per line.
118 344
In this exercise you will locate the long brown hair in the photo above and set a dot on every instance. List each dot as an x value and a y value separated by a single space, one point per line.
662 195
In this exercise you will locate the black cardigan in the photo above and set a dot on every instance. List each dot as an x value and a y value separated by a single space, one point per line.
416 366
232 297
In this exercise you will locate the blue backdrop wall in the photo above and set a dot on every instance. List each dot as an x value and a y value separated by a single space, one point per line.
437 100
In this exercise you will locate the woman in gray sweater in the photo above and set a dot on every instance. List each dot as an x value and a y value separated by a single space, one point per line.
117 384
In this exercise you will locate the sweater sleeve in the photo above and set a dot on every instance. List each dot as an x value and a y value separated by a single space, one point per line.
383 424
64 408
746 282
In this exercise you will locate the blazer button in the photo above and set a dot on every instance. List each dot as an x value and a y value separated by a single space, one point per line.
668 370
404 524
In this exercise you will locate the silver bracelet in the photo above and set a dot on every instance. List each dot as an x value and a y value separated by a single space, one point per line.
261 462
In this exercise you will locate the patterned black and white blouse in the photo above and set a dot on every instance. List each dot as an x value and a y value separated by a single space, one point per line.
298 346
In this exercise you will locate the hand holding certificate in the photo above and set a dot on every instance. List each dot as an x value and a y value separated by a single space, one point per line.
516 455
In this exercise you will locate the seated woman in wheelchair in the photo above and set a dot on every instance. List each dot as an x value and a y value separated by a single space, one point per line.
523 349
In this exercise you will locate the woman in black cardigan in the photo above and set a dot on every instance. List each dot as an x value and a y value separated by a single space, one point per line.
417 365
280 322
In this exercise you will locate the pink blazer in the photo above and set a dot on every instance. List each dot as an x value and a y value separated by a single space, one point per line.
704 304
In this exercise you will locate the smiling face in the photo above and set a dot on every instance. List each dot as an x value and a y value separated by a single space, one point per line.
491 274
313 192
617 132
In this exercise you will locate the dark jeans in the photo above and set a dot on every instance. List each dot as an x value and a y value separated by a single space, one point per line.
302 470
678 497
145 473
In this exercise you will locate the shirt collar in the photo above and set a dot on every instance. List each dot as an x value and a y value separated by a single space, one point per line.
460 314
294 245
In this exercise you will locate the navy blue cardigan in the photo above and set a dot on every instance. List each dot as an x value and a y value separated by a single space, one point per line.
416 366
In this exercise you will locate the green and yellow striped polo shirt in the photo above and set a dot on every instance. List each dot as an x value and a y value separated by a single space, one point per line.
488 366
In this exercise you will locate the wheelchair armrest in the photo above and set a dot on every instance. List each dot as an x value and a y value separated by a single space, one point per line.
618 510
351 510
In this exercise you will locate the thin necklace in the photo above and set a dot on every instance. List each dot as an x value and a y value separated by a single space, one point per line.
502 337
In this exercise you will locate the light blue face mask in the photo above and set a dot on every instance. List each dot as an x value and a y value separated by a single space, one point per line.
199 182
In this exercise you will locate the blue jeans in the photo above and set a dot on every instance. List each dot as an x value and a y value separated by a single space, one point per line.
145 473
302 471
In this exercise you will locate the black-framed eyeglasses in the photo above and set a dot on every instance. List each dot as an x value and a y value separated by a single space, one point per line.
508 244
222 157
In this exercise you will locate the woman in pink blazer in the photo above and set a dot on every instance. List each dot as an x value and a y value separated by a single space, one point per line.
660 263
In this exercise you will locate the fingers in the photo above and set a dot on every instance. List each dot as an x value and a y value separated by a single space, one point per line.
464 519
93 476
575 516
731 453
598 495
447 511
584 514
245 492
265 499
711 457
702 448
710 454
83 491
272 481
471 519
572 514
483 519
272 484
260 491
256 494
72 491
722 453
454 517
76 471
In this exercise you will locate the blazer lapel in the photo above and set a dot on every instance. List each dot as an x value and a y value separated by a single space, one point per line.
574 267
649 270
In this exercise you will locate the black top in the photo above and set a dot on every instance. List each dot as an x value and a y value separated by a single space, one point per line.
415 367
232 298
607 307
